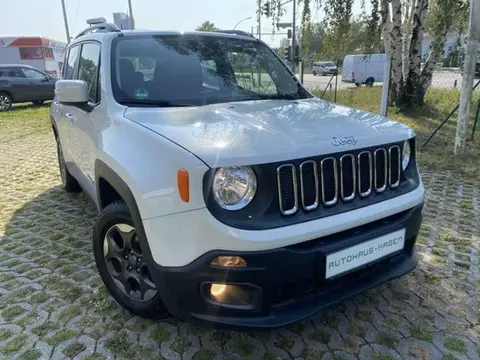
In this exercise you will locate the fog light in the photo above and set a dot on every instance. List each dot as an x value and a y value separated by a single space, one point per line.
230 294
229 261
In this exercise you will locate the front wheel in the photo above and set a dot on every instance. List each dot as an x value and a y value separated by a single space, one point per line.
369 82
5 102
120 259
314 73
38 102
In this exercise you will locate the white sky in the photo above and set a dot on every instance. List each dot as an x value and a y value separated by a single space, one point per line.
44 17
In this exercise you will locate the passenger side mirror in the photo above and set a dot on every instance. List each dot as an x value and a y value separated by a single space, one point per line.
74 92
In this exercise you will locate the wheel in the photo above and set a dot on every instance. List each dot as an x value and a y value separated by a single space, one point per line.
70 184
369 82
323 74
120 260
314 73
38 102
5 102
358 84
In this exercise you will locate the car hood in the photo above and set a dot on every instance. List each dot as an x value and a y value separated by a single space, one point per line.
255 132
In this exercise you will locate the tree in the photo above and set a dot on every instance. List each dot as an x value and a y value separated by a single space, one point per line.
207 26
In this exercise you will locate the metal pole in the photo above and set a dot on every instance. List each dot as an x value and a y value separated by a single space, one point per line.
386 84
259 32
132 21
336 82
241 21
476 119
294 40
65 21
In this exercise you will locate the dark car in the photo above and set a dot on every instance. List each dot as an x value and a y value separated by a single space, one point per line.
22 83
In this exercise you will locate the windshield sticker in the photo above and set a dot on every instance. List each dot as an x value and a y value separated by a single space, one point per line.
140 93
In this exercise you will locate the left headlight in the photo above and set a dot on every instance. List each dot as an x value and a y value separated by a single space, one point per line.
406 154
234 187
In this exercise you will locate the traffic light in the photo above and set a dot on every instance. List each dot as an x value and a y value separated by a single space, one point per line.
266 9
297 54
288 53
289 33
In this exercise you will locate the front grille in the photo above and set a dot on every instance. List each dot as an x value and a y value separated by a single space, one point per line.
334 178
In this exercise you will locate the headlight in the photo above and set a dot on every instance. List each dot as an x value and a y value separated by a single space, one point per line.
406 154
234 187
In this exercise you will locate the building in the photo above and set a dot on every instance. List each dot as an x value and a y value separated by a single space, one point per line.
39 52
450 44
122 20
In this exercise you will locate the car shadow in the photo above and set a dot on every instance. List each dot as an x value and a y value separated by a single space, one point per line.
29 105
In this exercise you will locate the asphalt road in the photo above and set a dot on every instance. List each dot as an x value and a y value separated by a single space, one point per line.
441 79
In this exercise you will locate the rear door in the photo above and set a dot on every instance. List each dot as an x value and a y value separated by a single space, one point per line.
39 85
11 81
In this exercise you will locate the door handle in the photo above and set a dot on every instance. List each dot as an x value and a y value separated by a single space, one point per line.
70 116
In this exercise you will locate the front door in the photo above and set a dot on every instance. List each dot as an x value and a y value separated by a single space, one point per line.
39 84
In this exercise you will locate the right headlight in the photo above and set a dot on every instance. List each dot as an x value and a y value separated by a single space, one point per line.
234 187
406 154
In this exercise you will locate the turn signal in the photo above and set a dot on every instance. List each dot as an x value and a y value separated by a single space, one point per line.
183 186
229 261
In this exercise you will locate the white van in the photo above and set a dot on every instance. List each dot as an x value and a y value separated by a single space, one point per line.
363 69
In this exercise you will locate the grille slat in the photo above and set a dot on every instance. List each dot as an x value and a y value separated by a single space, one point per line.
309 185
333 179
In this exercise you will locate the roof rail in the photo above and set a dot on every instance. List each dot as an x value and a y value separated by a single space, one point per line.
236 32
103 27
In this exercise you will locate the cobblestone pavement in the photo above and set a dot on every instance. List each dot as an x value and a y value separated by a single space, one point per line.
54 305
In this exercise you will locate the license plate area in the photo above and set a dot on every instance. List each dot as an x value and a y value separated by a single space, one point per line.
356 256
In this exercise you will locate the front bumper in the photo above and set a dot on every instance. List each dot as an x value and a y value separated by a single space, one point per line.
291 278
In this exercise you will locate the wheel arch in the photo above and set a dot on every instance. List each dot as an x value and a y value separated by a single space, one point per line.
9 94
54 126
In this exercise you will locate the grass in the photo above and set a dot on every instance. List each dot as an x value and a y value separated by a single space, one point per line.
31 354
74 349
14 345
12 312
438 154
455 345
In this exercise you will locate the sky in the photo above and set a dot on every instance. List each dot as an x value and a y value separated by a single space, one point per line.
44 17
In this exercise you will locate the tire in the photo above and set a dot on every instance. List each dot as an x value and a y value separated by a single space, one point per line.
114 233
6 101
369 82
358 84
70 184
38 102
314 73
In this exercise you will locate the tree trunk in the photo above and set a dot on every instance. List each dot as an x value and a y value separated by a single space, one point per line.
415 55
407 36
396 81
384 12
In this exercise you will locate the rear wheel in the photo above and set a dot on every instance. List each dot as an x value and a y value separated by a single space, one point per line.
358 84
314 73
38 102
5 102
369 82
70 184
120 259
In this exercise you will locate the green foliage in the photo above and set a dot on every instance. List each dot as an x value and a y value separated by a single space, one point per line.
207 26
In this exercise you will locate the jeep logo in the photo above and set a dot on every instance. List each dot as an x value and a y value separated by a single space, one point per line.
344 140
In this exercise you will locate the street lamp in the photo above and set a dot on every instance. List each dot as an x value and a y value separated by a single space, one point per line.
248 18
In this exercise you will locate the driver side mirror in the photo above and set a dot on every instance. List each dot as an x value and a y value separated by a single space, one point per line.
72 92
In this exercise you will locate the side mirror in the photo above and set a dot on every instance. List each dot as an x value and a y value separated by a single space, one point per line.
73 92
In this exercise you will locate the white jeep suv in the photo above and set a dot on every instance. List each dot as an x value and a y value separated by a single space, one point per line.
228 193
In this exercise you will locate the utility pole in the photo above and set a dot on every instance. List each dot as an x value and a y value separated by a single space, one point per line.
468 76
294 40
65 21
259 32
132 21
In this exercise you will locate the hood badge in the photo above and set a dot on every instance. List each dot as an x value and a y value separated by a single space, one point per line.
344 140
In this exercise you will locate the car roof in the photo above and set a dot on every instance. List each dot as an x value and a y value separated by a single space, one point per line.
99 35
17 65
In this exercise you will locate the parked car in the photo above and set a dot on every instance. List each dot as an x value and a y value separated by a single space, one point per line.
363 69
248 204
22 83
324 68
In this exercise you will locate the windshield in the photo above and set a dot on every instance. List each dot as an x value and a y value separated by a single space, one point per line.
330 64
194 70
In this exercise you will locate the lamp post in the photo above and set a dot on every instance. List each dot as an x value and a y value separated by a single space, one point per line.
248 18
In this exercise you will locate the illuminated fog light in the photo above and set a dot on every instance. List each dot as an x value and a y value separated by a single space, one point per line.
229 261
230 294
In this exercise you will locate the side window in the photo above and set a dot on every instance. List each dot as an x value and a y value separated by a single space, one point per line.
88 69
9 72
71 64
251 75
210 75
32 74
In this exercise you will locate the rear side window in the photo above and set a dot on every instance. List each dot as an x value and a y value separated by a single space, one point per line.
72 63
32 74
88 69
9 72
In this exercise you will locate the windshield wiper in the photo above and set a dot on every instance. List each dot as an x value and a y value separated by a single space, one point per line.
155 103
